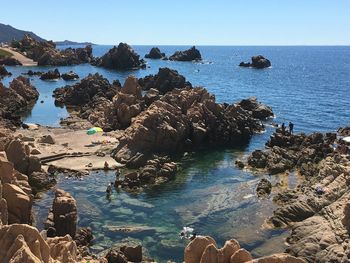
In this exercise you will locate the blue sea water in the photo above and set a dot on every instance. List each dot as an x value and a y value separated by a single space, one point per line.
306 85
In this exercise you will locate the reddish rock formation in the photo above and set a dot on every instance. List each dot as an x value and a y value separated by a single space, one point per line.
46 54
63 216
203 249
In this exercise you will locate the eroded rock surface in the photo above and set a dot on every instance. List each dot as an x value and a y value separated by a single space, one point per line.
191 54
155 53
46 54
122 57
203 249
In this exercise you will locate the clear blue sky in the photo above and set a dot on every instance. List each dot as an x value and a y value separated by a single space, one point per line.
199 22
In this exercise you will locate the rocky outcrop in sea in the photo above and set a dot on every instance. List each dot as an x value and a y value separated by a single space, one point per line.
155 53
122 57
165 80
51 75
191 54
46 54
20 96
258 62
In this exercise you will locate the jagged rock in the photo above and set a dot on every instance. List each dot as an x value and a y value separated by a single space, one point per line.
287 151
133 254
83 236
344 131
155 54
165 80
187 55
63 249
184 118
264 188
70 76
22 243
40 181
122 57
84 92
317 212
33 73
259 110
46 54
51 75
17 98
258 62
64 209
4 72
115 256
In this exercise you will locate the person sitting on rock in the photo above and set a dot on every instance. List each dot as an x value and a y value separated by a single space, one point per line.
291 127
283 128
106 166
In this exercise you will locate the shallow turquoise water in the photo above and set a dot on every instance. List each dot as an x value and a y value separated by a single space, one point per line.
307 85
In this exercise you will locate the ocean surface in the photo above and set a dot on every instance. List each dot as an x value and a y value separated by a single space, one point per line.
306 85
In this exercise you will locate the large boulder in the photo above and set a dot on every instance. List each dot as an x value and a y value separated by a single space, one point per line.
196 248
191 54
204 250
264 188
259 110
258 62
165 80
122 57
155 54
19 204
23 243
64 209
70 76
51 75
84 91
19 154
20 96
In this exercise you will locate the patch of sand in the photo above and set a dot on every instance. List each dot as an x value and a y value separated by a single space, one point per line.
72 149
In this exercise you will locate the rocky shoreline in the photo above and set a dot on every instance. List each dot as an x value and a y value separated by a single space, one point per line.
148 122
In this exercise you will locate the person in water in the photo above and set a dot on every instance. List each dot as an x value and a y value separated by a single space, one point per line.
109 189
291 127
117 174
